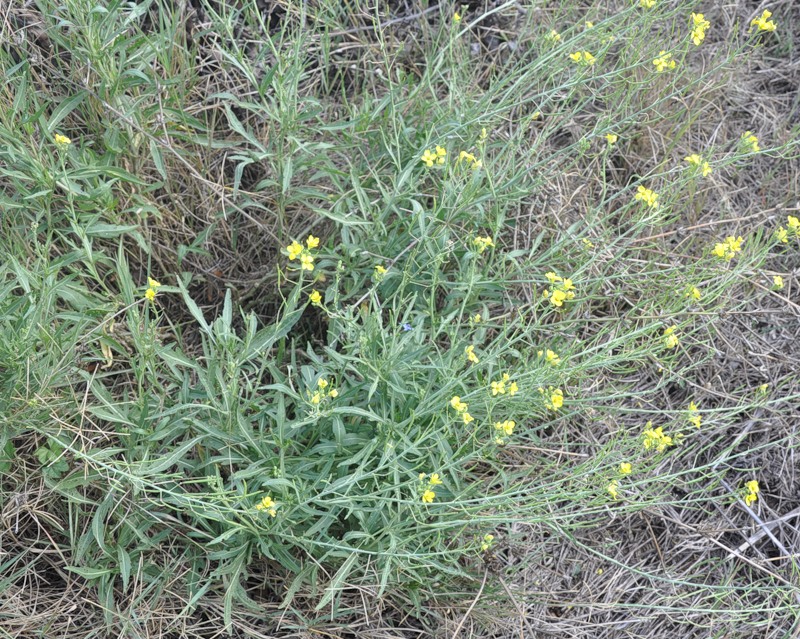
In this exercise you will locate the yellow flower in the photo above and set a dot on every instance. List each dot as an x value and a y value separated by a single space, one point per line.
428 157
440 154
700 164
752 487
664 62
650 198
294 249
777 282
61 141
150 294
694 293
507 426
749 142
793 224
476 319
554 36
551 357
467 418
557 297
380 271
655 438
589 24
694 417
750 498
456 17
153 283
428 496
315 297
457 404
471 356
782 235
647 4
625 468
499 388
487 542
482 243
584 58
513 389
322 382
312 242
728 249
267 504
556 399
699 27
316 398
333 393
611 138
763 22
435 480
613 489
307 262
670 338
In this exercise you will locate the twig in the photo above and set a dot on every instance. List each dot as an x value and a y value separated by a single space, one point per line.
472 605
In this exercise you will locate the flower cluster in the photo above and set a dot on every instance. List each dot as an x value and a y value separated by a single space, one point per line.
426 488
563 289
462 409
322 392
763 22
500 388
470 353
482 243
554 36
664 62
749 143
647 4
648 197
777 282
699 27
694 416
267 504
699 164
782 235
152 288
295 250
752 489
695 293
506 428
670 338
470 160
655 438
555 398
434 157
61 141
613 489
551 357
487 542
728 249
625 468
583 58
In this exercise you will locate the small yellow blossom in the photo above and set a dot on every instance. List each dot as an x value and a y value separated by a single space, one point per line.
556 399
484 134
625 468
333 393
749 142
694 417
487 542
61 141
664 62
322 383
763 22
728 249
507 426
435 480
752 489
476 319
513 389
584 58
467 418
645 195
611 138
613 489
482 243
670 338
794 225
695 293
655 438
456 17
312 242
428 496
440 154
554 36
782 235
469 159
699 27
587 243
777 282
551 357
457 404
294 249
647 4
428 157
699 164
307 262
269 505
380 271
316 398
315 297
150 294
499 387
589 24
471 356
153 283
